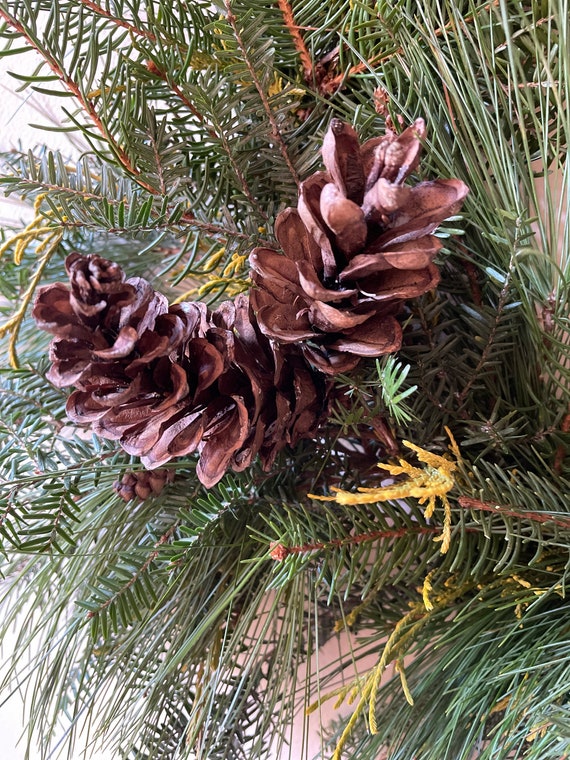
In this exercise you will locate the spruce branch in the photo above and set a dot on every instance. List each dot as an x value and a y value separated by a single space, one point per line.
67 202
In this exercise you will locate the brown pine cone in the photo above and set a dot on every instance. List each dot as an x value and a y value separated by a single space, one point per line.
168 381
359 244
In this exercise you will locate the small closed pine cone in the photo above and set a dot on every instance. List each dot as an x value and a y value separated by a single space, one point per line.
166 381
358 246
140 484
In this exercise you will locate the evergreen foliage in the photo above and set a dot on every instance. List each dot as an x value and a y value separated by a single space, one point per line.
190 625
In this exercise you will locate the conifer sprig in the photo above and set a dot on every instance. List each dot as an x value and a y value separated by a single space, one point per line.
201 643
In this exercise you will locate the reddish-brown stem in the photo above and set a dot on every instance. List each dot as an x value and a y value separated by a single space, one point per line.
280 551
85 103
262 96
299 42
499 509
119 21
561 450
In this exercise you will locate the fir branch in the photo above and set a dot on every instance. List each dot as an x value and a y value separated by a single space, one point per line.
490 343
165 76
222 138
280 551
275 131
135 576
76 91
187 219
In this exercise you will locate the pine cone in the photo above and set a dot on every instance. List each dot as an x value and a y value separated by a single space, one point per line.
168 381
140 484
359 244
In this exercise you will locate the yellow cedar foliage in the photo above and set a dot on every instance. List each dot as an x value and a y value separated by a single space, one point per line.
46 238
427 484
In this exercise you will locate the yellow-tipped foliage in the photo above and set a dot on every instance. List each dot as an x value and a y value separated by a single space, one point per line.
46 238
427 484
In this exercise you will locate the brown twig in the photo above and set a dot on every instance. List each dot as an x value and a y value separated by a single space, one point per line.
499 509
263 97
299 42
85 103
280 551
152 556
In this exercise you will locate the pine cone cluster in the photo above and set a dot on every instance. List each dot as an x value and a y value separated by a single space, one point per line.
246 379
166 381
358 246
140 484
